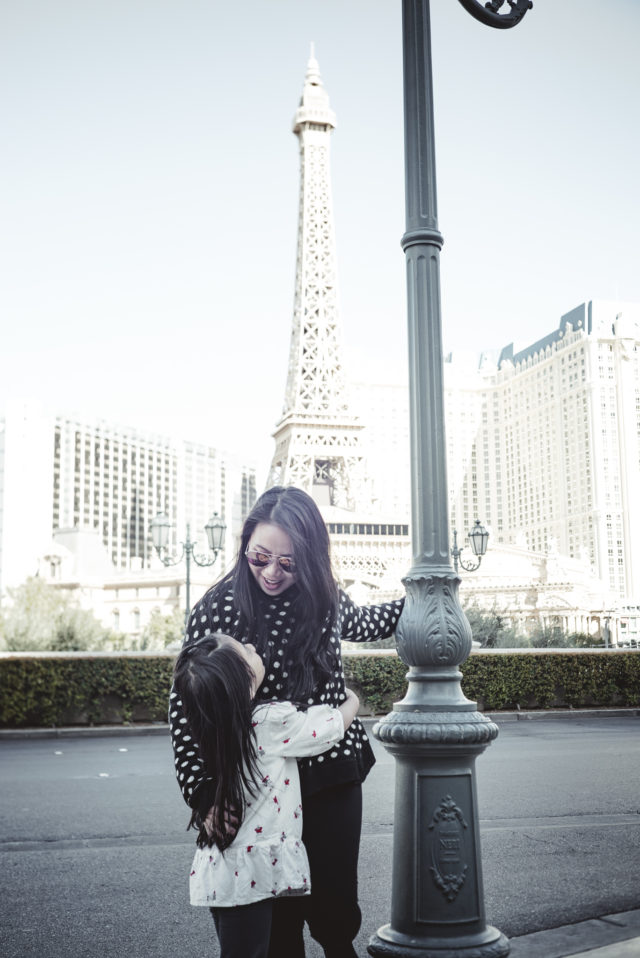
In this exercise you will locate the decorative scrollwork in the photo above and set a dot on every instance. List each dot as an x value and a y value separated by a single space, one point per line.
489 13
433 629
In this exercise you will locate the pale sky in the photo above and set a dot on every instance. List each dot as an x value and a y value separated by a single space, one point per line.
150 181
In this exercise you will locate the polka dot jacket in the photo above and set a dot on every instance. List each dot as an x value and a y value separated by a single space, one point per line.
351 759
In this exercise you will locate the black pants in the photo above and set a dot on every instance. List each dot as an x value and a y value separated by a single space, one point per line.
244 930
332 821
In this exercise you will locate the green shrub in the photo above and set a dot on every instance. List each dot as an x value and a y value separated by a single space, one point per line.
503 681
75 689
556 679
78 690
379 680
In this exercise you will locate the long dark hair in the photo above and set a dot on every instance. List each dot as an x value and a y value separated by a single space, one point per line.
215 685
314 596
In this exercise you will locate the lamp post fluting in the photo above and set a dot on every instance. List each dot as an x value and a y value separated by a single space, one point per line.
435 733
160 529
478 536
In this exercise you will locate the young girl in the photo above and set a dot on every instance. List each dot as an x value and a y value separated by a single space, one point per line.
282 597
251 751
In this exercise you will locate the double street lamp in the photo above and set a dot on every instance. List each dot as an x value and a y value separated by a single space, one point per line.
434 733
478 536
160 529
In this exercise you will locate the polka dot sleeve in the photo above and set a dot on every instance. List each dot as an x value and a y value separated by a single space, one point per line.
190 770
366 623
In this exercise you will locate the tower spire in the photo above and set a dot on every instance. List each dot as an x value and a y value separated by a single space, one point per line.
317 440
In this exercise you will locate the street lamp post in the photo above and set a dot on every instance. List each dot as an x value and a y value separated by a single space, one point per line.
435 733
215 529
478 537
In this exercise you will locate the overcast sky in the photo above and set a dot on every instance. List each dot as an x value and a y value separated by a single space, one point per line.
150 181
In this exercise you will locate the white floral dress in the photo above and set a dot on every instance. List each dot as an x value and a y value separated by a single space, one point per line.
267 858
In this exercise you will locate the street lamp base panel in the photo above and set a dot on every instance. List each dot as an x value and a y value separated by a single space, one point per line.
387 943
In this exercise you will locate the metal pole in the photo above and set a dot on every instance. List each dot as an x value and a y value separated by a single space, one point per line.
434 733
188 546
455 552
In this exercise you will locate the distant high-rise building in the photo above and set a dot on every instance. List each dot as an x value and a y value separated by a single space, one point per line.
543 443
558 456
60 474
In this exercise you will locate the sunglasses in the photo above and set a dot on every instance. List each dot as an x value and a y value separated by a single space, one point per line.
262 559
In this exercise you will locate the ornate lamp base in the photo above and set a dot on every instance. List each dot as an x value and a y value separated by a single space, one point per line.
388 944
437 903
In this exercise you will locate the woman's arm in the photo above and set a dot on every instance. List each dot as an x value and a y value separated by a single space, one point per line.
366 623
189 767
349 707
190 770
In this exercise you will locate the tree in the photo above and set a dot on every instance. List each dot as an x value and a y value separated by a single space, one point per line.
548 637
490 627
42 618
581 640
163 630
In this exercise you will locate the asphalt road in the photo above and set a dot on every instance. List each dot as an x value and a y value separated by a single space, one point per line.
94 855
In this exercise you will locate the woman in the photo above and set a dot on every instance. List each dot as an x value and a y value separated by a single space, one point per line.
281 596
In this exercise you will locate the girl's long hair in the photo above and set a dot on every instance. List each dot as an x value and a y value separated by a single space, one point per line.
215 685
311 661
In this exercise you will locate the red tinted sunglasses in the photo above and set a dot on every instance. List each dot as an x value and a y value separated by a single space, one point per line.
262 559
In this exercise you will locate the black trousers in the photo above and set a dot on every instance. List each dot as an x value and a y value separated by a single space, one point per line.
332 821
244 930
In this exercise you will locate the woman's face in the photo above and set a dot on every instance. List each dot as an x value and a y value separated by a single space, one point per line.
270 557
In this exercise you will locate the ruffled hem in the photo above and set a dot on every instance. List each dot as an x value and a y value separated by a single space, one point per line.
248 874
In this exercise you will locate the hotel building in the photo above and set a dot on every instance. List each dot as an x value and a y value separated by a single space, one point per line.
543 444
77 498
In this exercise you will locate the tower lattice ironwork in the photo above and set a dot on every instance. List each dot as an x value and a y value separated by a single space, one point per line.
318 441
319 445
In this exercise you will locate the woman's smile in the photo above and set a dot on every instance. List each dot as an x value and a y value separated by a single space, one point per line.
271 543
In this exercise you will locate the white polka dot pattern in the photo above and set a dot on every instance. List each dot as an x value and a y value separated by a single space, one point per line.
352 758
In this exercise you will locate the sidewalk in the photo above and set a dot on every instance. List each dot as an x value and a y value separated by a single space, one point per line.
612 936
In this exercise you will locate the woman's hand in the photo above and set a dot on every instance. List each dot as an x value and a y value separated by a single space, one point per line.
349 707
230 822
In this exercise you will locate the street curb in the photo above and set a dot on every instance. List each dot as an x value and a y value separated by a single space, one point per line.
542 714
83 731
161 728
582 938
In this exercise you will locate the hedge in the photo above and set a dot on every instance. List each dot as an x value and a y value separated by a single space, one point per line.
43 690
83 689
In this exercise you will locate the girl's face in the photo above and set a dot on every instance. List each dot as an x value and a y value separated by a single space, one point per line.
251 657
270 557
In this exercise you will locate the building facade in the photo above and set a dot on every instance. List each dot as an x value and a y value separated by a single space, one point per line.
546 444
543 443
77 498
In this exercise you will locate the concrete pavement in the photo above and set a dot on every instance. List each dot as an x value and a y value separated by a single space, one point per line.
573 835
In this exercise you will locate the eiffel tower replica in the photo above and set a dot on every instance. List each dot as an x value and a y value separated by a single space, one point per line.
319 445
